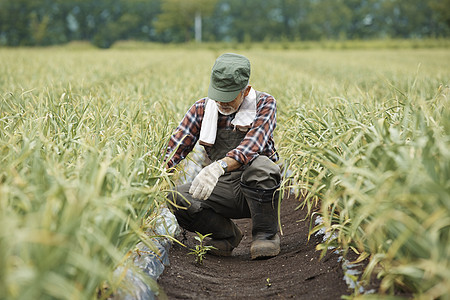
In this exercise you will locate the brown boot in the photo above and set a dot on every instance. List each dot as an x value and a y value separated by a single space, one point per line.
265 248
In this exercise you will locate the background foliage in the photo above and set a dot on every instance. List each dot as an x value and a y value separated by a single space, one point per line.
102 22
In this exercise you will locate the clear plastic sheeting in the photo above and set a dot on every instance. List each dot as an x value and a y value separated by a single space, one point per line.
352 276
351 272
326 235
134 286
147 262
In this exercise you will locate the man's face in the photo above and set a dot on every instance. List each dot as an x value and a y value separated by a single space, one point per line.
227 108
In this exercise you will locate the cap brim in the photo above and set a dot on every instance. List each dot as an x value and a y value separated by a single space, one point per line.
221 96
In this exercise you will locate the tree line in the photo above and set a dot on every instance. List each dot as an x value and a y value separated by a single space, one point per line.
102 22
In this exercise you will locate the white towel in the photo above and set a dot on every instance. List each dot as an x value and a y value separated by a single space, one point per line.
243 119
208 131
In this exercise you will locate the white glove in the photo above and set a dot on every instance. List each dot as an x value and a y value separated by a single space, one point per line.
205 181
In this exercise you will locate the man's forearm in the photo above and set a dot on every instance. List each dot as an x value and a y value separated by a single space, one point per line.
232 163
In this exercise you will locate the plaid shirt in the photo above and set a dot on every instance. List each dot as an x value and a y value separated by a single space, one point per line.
258 140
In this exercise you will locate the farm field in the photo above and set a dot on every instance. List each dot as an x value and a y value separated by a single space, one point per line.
365 134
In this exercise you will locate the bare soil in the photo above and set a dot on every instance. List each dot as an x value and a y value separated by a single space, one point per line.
295 273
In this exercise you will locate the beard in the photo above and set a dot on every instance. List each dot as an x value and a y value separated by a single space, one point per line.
227 111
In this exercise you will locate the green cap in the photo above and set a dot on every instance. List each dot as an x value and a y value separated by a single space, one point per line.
230 74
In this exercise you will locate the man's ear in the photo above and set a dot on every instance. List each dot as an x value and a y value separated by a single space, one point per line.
247 90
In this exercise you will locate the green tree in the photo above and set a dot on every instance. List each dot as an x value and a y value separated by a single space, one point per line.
178 16
292 12
47 22
412 18
14 24
441 13
329 19
244 20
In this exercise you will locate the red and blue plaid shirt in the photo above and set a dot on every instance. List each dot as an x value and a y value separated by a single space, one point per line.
258 140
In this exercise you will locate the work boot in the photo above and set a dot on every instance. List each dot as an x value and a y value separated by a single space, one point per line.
265 248
225 235
263 204
224 247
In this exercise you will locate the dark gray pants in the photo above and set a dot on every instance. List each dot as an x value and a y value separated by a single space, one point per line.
227 198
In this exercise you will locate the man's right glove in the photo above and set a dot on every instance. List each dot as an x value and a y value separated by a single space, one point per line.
204 183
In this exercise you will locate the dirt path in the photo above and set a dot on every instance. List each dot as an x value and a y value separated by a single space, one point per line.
295 273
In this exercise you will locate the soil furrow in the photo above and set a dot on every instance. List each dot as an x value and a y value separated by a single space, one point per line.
295 273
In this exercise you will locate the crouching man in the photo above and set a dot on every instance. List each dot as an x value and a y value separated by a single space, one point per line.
235 124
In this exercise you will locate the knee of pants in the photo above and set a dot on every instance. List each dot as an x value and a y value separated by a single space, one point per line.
262 173
172 199
180 201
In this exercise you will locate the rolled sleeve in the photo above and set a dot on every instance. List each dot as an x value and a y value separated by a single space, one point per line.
185 135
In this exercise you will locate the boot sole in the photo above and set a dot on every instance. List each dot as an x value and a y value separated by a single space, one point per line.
268 250
263 254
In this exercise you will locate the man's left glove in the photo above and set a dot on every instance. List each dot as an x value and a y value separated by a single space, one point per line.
205 181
